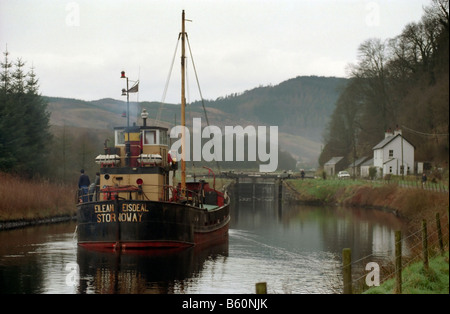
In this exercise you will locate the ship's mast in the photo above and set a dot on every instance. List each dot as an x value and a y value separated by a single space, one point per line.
183 105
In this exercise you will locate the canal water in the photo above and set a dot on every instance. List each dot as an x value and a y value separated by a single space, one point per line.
293 248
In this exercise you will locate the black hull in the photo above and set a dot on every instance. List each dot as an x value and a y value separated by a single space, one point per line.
135 224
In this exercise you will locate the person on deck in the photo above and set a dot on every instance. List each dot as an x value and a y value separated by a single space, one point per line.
83 185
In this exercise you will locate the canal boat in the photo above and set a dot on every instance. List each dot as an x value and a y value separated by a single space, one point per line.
135 203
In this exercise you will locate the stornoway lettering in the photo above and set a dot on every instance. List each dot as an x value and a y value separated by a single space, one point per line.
106 213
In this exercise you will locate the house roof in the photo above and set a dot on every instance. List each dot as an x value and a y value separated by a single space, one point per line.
389 139
368 162
358 162
334 160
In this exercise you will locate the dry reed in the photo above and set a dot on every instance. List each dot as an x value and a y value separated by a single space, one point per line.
23 199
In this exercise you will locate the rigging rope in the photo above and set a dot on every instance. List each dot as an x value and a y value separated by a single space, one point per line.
163 99
158 116
188 104
198 83
199 89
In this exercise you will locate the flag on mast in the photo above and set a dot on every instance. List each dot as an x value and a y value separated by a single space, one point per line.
135 88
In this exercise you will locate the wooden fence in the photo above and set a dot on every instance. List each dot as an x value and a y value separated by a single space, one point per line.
423 233
348 282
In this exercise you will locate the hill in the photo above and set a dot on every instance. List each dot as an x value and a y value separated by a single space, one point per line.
300 107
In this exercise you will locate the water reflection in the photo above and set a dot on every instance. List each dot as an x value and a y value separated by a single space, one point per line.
320 228
33 259
162 271
303 244
294 248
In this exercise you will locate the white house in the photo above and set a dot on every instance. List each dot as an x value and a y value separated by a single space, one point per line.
392 152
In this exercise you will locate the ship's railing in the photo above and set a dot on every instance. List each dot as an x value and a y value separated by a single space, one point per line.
95 193
87 194
198 197
168 193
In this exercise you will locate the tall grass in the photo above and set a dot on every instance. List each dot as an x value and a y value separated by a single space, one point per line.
34 199
418 280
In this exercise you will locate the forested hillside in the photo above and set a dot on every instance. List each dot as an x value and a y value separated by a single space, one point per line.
397 82
300 107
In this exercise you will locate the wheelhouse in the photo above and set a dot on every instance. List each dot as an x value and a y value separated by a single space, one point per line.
138 165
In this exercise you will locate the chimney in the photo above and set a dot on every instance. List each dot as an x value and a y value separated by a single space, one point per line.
398 131
388 133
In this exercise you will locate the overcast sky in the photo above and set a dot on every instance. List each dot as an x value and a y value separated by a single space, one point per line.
78 48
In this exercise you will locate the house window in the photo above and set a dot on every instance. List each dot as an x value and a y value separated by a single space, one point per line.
390 169
391 153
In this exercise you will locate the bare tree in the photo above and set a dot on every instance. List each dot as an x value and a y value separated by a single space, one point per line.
374 80
439 11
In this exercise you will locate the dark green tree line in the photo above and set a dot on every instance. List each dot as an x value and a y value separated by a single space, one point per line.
24 120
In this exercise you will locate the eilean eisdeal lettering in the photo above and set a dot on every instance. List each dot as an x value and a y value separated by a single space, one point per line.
127 212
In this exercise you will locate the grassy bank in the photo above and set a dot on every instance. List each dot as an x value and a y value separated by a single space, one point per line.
418 280
410 203
23 199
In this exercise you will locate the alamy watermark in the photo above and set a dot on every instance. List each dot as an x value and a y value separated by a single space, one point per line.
73 277
262 144
73 14
373 277
373 14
